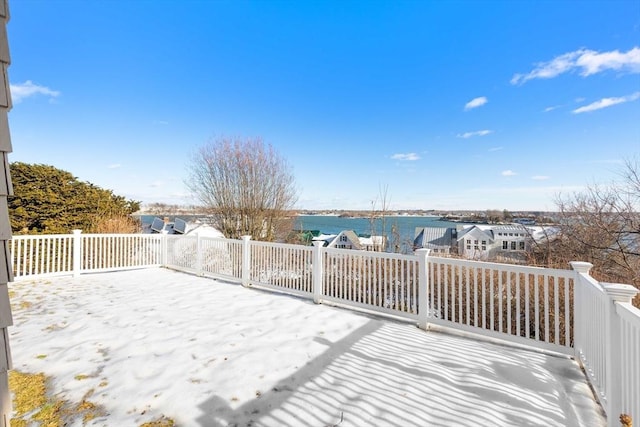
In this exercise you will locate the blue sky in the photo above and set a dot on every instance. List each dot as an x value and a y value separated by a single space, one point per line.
449 105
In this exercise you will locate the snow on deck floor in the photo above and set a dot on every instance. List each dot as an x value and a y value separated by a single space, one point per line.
208 353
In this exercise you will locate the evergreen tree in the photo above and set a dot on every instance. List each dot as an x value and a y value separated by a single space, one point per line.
50 200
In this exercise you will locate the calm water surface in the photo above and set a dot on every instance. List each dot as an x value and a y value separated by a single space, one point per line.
405 225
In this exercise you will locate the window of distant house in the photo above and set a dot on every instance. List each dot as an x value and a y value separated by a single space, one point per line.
468 241
343 238
505 245
469 247
522 246
513 246
510 234
475 242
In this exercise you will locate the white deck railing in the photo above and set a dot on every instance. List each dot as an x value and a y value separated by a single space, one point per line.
512 302
607 341
565 311
42 255
377 281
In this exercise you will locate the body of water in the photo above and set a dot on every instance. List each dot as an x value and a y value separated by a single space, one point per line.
404 226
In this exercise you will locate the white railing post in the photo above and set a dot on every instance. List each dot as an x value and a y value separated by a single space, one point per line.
316 272
246 260
77 252
581 268
423 287
617 293
198 255
164 250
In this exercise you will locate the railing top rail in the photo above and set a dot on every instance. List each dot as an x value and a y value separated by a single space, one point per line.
592 282
121 235
40 236
279 245
502 266
628 312
181 236
372 254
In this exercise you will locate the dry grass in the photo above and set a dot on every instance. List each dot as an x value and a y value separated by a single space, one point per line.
160 422
31 403
34 404
116 224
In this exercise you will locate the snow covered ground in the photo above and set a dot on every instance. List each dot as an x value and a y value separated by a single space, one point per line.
208 353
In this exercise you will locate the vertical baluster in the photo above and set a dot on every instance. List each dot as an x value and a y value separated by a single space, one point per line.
33 265
483 283
510 314
567 319
457 278
546 284
536 293
491 300
500 303
476 314
442 273
467 289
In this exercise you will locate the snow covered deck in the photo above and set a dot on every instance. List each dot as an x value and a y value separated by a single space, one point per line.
202 352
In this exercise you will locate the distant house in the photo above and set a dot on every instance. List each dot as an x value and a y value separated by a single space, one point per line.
493 241
373 243
440 240
179 226
475 243
326 238
347 239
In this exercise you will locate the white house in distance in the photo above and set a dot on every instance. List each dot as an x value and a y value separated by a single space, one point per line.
348 239
493 241
478 241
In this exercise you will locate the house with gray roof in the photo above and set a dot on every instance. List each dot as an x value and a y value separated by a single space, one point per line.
439 240
495 242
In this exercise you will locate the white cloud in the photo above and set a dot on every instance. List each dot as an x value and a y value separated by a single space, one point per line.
475 103
587 62
593 62
509 172
540 177
476 133
607 102
407 156
546 110
156 184
114 166
495 149
27 89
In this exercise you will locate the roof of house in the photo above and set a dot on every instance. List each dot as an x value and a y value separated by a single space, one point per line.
476 232
434 237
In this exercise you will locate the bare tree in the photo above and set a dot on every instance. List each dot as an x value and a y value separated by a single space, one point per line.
379 215
247 186
601 225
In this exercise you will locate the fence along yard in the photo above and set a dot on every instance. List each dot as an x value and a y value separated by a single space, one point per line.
562 311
